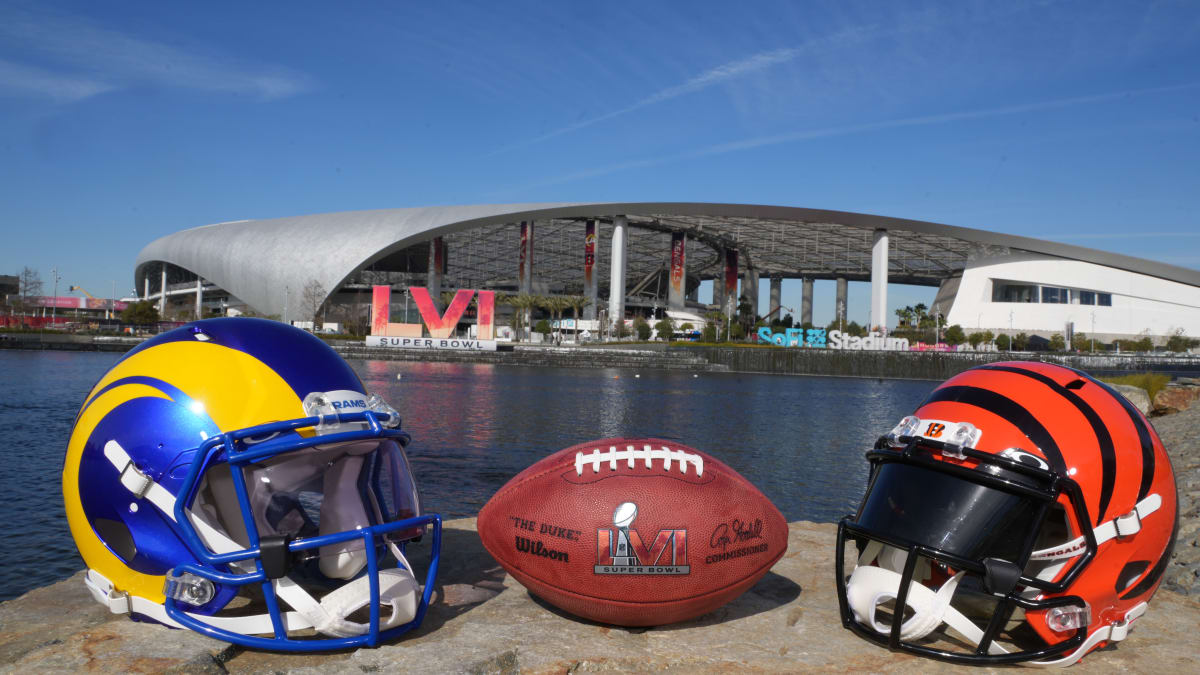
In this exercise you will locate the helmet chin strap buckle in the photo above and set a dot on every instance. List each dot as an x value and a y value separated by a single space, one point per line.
134 480
276 559
1128 524
1000 576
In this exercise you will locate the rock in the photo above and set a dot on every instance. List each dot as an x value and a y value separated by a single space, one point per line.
60 628
482 621
1136 395
1172 399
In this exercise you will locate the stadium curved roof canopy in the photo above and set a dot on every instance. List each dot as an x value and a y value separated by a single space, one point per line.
266 263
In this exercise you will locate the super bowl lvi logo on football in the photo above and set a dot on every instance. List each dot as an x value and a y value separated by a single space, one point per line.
626 553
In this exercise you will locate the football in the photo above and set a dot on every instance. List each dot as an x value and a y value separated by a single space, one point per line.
633 532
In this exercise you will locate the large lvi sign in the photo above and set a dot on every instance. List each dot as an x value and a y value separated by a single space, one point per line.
440 326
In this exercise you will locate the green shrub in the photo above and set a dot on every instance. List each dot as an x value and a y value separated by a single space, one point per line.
1178 342
1003 342
641 328
665 329
1151 382
1057 343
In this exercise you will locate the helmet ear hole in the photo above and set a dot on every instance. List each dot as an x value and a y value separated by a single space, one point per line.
1130 573
117 537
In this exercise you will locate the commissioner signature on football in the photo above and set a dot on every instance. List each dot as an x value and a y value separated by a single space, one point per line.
735 532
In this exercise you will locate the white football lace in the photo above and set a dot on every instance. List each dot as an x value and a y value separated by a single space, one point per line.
631 454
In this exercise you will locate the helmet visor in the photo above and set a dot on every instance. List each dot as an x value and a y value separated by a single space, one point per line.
923 506
316 490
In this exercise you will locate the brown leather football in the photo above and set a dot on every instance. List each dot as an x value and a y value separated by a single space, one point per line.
633 531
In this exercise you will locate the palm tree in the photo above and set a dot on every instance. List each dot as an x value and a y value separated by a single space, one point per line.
521 303
556 305
716 320
578 302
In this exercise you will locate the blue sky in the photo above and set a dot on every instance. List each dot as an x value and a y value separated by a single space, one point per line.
1071 121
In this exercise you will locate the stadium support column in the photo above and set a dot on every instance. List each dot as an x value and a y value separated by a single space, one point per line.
162 294
879 281
525 259
146 288
839 305
677 287
199 296
591 283
616 284
718 296
776 295
750 290
730 294
806 293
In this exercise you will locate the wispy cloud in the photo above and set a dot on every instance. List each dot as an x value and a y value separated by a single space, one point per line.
26 80
76 58
866 127
722 74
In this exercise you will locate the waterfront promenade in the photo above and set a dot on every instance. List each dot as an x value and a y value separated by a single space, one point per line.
928 365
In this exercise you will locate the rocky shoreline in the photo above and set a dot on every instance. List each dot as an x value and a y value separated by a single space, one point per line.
1180 433
483 621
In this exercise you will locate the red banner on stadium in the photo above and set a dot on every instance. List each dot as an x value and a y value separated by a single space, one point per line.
731 272
589 252
524 255
678 251
439 256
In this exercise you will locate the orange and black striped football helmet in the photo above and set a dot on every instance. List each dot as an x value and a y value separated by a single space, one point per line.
1024 512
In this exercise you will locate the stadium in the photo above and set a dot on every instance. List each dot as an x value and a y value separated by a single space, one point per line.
644 259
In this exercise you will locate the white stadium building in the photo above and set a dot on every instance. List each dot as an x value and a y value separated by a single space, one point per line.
628 258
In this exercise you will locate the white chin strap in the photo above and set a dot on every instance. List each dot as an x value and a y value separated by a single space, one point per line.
398 587
398 592
871 586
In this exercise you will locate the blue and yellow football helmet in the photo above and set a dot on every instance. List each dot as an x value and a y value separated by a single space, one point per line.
232 476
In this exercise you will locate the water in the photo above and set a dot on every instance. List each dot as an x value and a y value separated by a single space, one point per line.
799 439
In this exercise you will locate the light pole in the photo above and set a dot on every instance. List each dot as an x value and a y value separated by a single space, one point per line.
1093 331
54 301
728 320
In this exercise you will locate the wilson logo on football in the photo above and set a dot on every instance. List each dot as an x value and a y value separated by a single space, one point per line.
623 551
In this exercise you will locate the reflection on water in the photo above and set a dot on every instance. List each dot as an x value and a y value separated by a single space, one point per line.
474 426
799 439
